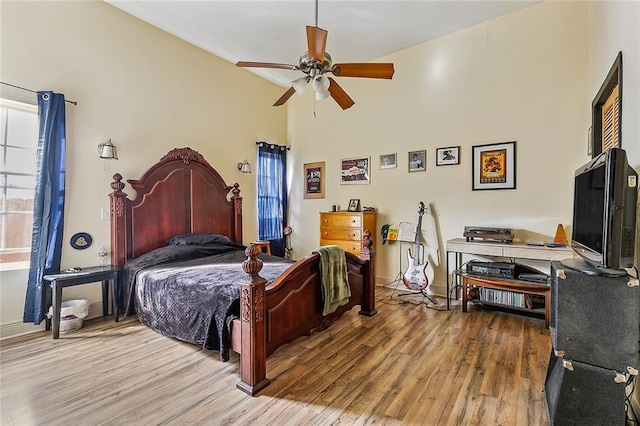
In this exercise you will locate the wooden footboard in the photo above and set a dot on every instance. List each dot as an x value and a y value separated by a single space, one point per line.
291 307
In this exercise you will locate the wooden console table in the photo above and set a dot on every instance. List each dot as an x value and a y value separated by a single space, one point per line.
460 246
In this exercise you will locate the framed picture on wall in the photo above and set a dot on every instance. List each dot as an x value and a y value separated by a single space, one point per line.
314 180
355 171
494 166
418 161
388 161
448 156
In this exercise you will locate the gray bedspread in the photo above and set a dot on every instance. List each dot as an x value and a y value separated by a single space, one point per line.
191 293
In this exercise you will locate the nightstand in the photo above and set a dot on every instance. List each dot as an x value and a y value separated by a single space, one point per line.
106 274
264 246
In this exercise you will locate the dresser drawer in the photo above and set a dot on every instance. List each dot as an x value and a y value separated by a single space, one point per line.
346 229
348 246
340 220
327 233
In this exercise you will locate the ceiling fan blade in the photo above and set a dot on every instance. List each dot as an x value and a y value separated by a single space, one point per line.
284 98
244 64
339 95
367 70
316 42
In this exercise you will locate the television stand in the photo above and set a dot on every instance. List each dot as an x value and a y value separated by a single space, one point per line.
585 267
459 247
513 294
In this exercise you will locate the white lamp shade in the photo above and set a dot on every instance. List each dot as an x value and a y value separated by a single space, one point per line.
300 85
108 151
321 87
320 95
244 167
321 84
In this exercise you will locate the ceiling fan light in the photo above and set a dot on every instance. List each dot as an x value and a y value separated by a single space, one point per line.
321 84
322 94
299 85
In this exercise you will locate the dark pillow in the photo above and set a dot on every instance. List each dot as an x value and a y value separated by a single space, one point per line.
197 239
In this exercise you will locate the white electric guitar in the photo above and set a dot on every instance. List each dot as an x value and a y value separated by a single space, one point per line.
418 276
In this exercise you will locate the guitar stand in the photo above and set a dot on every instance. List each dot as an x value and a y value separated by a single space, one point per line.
422 292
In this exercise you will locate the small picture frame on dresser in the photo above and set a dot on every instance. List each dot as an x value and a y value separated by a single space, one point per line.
354 205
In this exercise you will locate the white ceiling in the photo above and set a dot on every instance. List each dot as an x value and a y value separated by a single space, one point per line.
274 30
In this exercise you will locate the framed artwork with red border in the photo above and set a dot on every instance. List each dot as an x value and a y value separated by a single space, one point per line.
494 166
314 180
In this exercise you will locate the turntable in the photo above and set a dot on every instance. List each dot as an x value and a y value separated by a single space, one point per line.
503 235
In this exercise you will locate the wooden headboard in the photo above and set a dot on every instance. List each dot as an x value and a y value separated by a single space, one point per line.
180 194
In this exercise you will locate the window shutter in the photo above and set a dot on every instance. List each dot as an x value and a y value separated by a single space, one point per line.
610 121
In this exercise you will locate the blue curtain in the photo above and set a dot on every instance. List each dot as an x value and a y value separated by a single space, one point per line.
48 204
272 195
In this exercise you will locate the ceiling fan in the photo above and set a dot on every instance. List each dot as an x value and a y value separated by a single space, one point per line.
316 62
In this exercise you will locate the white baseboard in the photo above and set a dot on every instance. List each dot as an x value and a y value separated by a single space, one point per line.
16 329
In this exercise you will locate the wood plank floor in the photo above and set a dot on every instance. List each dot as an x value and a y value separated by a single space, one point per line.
408 365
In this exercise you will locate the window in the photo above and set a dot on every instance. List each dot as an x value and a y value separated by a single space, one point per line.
272 195
607 111
18 144
271 174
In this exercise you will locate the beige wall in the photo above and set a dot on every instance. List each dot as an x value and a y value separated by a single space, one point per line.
147 91
519 78
526 77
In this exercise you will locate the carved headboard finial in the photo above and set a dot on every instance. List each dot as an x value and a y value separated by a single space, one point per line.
117 184
187 155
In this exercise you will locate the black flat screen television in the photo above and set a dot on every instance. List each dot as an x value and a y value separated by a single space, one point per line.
604 215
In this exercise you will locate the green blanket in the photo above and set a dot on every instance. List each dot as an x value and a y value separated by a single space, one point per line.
333 269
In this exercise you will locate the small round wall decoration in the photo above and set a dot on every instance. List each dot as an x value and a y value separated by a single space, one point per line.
81 241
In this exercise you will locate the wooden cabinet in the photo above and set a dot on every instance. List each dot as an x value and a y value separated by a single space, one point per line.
345 229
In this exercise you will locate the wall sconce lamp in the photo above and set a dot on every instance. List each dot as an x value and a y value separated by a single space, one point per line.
244 167
108 151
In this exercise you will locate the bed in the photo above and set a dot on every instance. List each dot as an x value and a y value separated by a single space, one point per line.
274 302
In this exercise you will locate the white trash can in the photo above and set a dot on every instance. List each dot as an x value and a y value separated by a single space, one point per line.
72 314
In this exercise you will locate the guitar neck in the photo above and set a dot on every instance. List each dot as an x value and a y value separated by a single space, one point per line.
416 247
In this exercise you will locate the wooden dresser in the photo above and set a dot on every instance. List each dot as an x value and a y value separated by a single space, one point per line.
345 229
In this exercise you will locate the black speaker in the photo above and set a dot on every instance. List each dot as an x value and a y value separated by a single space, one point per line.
582 394
595 319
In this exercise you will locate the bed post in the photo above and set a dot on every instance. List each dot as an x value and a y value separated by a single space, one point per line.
368 306
236 199
253 352
118 222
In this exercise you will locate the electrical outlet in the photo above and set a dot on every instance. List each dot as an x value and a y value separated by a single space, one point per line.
104 214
